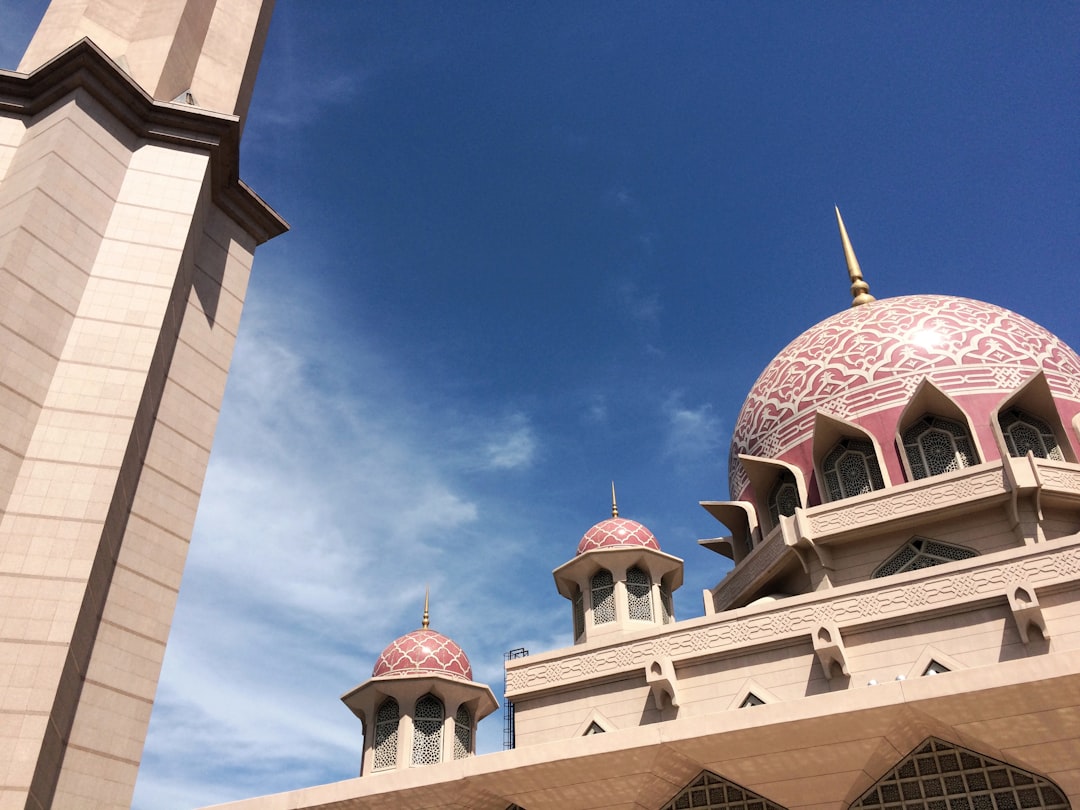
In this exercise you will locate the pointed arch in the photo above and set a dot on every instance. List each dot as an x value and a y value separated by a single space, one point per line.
639 594
711 792
847 459
778 486
921 552
577 602
463 736
1030 404
935 434
602 588
427 730
938 771
594 723
385 742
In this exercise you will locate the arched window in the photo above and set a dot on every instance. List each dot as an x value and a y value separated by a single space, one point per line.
784 497
603 597
427 731
1024 432
639 595
851 468
921 553
665 603
934 446
462 733
386 735
940 774
579 614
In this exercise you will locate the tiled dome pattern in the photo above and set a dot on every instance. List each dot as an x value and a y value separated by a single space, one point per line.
869 359
423 652
617 532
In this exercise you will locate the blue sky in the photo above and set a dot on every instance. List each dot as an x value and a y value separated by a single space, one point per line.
538 247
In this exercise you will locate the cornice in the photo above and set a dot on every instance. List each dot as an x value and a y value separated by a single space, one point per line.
85 67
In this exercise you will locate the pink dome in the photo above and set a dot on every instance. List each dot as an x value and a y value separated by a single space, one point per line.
423 652
615 532
868 360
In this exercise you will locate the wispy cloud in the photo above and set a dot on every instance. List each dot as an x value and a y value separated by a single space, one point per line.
693 434
643 307
512 446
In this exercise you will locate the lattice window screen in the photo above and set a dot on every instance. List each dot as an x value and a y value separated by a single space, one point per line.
386 735
462 733
784 497
1024 432
603 597
639 595
920 553
710 792
851 468
427 731
665 603
579 614
941 776
934 446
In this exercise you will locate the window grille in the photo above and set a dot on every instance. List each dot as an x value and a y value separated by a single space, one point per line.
603 597
784 497
639 595
427 731
934 446
1024 432
851 468
665 603
579 614
710 792
386 735
921 553
462 733
941 776
751 700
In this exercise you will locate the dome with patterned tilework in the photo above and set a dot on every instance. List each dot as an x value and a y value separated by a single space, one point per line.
617 532
863 365
423 652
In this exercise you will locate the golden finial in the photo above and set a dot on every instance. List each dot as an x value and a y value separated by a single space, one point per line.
427 593
614 505
860 290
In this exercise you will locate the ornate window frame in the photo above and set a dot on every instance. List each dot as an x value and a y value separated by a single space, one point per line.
429 717
921 552
923 462
384 742
602 597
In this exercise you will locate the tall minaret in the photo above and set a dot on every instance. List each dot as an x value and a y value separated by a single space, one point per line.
125 248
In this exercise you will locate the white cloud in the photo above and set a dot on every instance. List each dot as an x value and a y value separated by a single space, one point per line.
513 446
693 434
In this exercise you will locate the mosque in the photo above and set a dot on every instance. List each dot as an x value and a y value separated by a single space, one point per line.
899 630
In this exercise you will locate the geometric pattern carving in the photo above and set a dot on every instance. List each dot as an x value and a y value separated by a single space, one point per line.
868 603
851 469
863 361
941 776
578 603
711 792
386 735
462 733
423 652
1024 432
427 731
617 532
602 586
920 553
784 497
639 595
935 445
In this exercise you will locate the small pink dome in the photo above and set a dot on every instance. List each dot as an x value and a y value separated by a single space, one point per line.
615 532
863 365
423 652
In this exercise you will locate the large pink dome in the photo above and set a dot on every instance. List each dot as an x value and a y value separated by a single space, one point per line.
615 532
869 359
423 652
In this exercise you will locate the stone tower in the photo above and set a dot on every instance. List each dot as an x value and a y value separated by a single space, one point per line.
125 247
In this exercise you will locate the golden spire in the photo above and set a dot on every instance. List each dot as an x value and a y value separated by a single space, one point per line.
860 290
427 593
614 505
